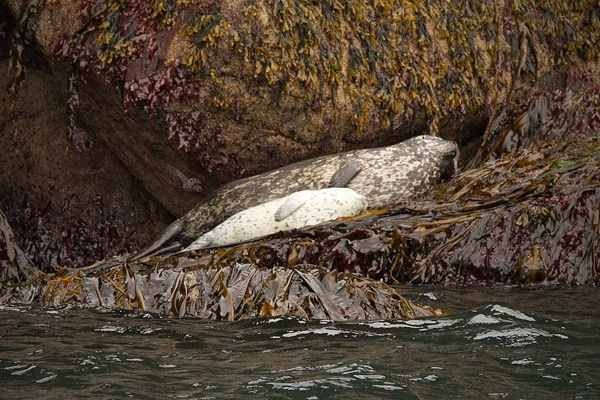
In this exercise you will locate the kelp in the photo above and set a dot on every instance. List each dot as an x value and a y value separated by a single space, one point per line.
539 116
528 218
180 286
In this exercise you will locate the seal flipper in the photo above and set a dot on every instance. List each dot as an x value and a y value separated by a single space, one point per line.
345 173
164 243
291 204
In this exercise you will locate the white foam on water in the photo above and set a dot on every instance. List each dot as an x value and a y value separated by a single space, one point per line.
483 319
511 312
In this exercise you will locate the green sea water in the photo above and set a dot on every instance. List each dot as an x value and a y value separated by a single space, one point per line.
498 343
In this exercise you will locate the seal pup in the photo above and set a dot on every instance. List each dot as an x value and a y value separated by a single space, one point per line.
385 175
304 208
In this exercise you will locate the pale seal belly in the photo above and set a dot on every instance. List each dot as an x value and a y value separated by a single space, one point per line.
304 208
385 175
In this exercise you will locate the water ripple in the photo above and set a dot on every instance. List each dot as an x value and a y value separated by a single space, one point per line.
497 343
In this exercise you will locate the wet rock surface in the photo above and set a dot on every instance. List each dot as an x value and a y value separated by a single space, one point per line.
67 208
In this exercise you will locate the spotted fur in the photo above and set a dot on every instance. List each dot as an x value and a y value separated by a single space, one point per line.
307 207
385 176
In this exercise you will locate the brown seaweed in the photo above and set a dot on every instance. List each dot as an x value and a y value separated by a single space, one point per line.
388 62
529 217
181 286
14 264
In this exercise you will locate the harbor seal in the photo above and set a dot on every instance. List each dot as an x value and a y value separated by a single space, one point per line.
304 208
385 175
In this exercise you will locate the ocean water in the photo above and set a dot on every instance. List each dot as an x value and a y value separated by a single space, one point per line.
499 342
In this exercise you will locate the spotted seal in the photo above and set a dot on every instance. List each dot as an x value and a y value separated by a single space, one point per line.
303 208
385 175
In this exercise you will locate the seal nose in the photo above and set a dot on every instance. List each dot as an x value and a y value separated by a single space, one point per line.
449 164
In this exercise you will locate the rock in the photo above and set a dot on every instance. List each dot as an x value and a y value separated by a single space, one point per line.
252 94
15 267
185 287
70 208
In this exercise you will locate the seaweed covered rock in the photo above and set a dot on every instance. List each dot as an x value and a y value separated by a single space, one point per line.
528 215
242 87
180 286
368 64
530 218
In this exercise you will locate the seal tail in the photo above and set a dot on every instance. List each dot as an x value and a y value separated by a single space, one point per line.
164 243
202 242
